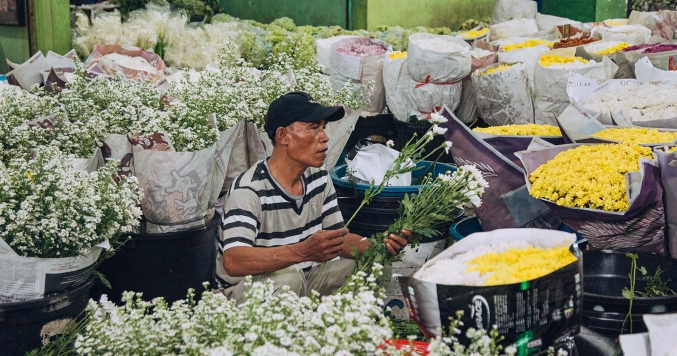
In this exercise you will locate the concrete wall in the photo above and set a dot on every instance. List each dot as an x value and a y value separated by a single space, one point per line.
431 13
13 45
303 12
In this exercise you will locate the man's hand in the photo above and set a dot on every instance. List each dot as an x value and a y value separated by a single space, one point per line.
395 243
323 245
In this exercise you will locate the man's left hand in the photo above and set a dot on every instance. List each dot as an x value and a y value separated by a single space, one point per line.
395 243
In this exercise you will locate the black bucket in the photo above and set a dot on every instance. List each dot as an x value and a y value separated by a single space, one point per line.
24 326
162 265
406 130
605 274
382 211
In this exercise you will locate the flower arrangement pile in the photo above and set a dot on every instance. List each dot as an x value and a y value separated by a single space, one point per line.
636 135
474 33
49 209
637 102
362 48
493 70
398 55
439 44
526 44
589 176
611 48
521 130
498 264
562 62
86 109
573 42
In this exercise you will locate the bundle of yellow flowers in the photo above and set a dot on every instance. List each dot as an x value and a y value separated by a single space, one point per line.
398 55
521 130
500 68
526 44
619 22
475 33
636 135
553 59
589 176
613 49
519 264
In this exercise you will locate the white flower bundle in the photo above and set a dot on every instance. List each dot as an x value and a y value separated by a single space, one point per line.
638 102
49 209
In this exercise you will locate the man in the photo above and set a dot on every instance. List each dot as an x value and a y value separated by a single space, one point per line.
281 218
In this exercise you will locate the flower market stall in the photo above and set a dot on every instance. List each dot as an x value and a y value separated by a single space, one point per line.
555 138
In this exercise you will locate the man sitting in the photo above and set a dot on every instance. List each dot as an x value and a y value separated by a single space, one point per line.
281 217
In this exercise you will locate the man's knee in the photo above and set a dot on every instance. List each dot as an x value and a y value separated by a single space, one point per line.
291 276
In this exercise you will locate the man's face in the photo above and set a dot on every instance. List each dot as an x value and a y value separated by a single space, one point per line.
308 142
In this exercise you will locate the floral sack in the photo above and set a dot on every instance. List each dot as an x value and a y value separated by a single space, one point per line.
667 162
358 72
639 228
396 80
467 110
498 106
550 84
436 74
506 202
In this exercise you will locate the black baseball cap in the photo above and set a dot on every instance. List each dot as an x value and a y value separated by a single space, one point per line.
298 106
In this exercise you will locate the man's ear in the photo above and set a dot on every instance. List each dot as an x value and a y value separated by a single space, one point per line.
281 136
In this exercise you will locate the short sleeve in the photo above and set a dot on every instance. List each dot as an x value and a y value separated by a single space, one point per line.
331 214
240 224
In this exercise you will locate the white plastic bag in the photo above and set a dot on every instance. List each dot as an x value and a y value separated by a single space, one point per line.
427 98
432 66
632 34
324 50
396 80
506 10
467 110
550 85
371 163
547 22
498 106
521 54
514 28
358 72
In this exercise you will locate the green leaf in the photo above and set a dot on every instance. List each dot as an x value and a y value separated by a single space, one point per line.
643 270
627 294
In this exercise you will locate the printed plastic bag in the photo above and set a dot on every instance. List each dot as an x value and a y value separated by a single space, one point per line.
498 106
641 228
431 66
467 110
505 203
667 162
427 98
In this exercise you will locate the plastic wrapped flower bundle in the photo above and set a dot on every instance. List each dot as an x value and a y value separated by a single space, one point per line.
589 176
638 47
636 135
638 102
498 264
562 62
573 42
398 55
439 44
525 44
521 130
363 48
135 63
493 70
661 48
607 47
474 33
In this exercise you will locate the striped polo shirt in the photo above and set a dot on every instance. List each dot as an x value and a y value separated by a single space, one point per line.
258 213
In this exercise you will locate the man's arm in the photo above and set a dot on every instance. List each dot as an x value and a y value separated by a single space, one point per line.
321 246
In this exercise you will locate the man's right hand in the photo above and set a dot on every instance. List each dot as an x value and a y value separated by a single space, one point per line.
323 245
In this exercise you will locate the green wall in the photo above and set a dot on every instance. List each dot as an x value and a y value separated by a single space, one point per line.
367 14
13 45
586 10
431 13
304 12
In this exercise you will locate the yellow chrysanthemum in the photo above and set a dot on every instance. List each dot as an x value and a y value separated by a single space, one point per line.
552 59
526 44
636 135
519 265
475 33
589 176
613 49
500 68
398 55
521 130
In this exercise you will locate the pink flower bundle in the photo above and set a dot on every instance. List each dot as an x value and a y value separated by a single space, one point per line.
362 48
